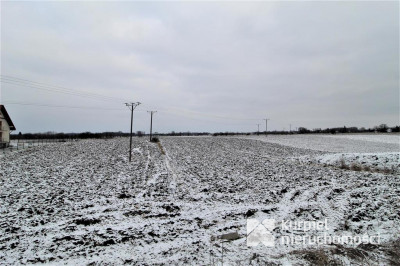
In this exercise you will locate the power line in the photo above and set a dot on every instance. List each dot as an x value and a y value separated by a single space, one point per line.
62 92
55 88
102 108
19 81
60 106
95 96
112 109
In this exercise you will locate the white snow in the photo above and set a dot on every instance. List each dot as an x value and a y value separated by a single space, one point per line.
345 143
380 161
83 202
393 138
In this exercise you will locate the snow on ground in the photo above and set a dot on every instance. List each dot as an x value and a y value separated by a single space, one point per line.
367 151
393 138
344 143
384 162
83 202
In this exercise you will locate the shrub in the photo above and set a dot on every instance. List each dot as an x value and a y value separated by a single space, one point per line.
343 164
355 167
155 139
386 170
367 168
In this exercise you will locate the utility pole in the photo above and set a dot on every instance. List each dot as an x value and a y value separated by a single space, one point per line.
266 125
151 122
290 128
258 129
131 107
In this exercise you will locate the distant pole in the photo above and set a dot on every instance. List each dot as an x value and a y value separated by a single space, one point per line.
131 107
151 122
266 125
258 129
290 128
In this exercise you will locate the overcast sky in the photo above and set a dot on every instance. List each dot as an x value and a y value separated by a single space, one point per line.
204 66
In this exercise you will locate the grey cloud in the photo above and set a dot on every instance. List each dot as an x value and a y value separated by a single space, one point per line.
312 64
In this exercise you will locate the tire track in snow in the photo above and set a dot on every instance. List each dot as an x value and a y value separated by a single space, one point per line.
173 174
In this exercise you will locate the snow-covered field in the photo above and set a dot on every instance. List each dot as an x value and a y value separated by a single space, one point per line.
345 143
372 152
83 202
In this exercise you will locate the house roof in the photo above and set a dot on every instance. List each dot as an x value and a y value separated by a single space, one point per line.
7 117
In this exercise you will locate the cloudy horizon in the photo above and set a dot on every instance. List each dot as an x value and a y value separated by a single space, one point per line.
203 66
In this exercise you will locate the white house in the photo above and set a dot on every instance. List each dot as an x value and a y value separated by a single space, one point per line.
6 126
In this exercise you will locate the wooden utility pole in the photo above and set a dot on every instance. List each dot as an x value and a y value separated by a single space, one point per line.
266 126
151 122
258 129
131 107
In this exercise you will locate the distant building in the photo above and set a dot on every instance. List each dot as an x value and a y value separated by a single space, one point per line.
6 126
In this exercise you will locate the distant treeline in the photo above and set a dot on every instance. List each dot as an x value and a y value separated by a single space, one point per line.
381 128
106 135
90 135
83 135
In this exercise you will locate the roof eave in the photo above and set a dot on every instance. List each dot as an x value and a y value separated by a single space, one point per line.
7 117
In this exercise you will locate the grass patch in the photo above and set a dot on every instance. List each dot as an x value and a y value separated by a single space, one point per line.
343 164
386 170
392 250
367 168
319 257
355 167
358 167
161 148
364 254
157 140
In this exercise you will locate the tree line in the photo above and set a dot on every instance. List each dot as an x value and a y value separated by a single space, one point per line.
107 135
382 128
